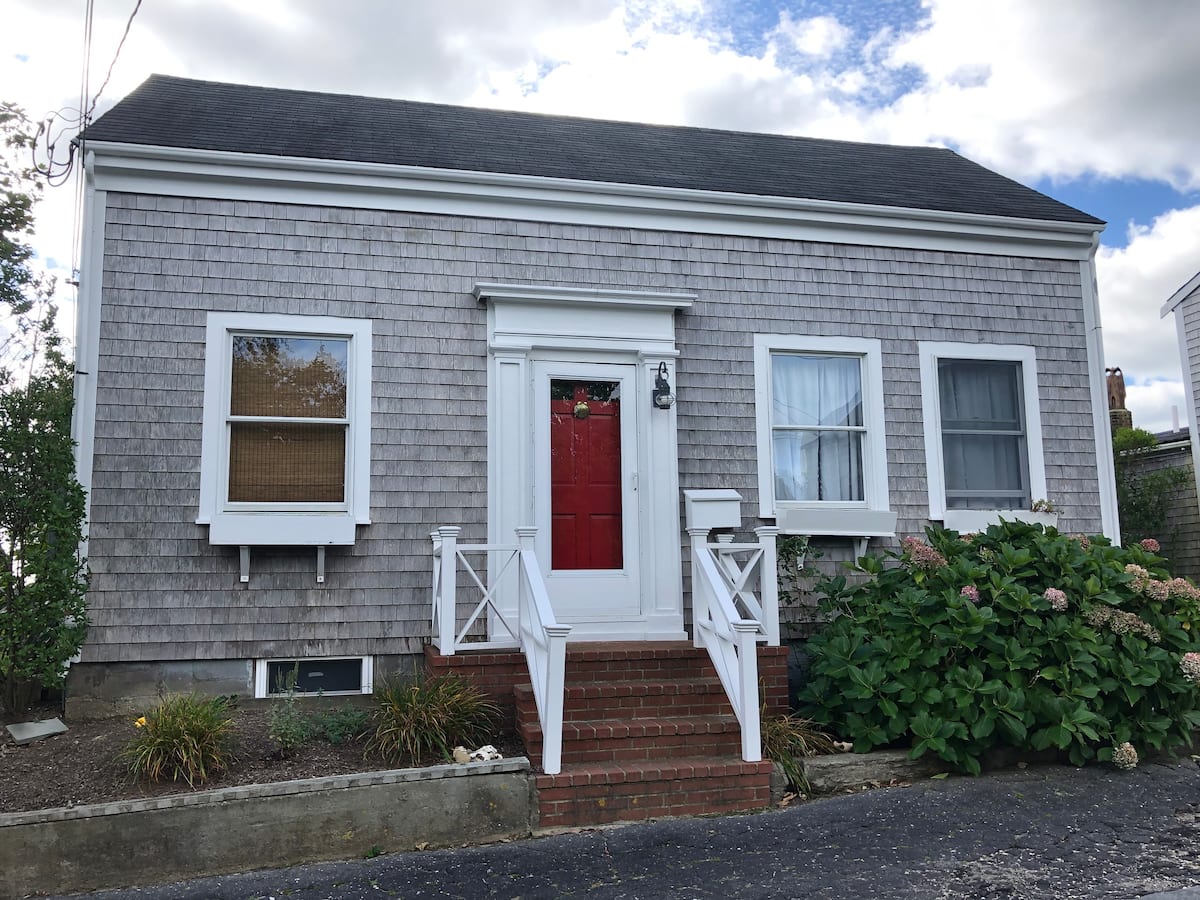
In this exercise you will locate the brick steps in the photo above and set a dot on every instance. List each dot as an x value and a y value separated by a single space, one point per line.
647 731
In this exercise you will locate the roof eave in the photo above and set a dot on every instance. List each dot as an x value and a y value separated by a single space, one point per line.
122 166
1180 295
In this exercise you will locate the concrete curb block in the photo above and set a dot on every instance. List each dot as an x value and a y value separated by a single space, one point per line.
238 829
273 789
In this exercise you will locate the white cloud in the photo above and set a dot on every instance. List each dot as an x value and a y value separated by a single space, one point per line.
1072 87
820 36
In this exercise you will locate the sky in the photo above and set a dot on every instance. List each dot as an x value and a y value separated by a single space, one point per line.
1094 102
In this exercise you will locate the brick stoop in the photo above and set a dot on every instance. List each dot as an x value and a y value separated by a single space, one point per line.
647 732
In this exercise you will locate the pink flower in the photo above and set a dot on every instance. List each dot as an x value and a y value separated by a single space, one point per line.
970 592
1190 665
921 555
1150 544
1156 590
1056 598
1084 541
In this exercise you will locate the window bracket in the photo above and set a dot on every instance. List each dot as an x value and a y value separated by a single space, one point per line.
320 565
244 555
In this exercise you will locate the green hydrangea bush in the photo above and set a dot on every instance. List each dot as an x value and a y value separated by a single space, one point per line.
1015 637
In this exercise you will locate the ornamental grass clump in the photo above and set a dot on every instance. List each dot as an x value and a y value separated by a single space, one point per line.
788 738
413 719
187 737
1020 637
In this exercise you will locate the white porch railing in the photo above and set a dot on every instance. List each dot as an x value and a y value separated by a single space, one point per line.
533 628
734 606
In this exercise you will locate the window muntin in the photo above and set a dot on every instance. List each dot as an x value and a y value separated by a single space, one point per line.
817 427
288 419
984 448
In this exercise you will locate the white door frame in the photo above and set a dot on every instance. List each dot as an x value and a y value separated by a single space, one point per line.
528 326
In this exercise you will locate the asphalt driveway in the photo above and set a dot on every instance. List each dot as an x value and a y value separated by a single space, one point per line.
1041 832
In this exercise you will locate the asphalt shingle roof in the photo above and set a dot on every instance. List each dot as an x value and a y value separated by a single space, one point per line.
178 112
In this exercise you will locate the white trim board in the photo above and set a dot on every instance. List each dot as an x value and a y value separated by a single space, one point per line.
214 174
1192 285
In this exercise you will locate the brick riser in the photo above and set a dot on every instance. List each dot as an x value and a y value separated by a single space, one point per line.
595 795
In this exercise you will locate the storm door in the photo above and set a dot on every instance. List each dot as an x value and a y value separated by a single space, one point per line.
586 488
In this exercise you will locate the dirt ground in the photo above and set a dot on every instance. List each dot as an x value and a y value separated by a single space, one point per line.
82 766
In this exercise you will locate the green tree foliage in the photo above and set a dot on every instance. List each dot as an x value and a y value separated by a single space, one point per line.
42 578
1142 496
1017 637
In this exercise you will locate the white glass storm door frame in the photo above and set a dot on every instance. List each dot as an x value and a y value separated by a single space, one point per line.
590 595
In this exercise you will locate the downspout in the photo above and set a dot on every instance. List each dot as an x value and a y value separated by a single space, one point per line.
1105 470
87 336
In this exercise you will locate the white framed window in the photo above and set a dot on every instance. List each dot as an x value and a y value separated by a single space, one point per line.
332 675
822 457
983 433
285 457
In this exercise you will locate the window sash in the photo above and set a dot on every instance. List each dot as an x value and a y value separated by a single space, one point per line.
283 459
820 458
997 477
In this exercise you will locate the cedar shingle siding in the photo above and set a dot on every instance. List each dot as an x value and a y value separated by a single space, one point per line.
160 591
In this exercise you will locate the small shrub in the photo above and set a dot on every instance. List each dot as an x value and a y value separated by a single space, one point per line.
789 737
1018 636
340 725
287 726
413 718
186 737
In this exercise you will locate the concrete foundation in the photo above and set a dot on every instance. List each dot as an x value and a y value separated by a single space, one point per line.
101 690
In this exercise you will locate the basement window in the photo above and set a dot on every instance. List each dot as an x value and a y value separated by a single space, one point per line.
332 675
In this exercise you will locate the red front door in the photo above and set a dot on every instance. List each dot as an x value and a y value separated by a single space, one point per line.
585 475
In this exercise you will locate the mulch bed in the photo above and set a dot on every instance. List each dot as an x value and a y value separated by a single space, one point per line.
82 766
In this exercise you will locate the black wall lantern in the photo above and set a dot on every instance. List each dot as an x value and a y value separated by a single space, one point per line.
662 396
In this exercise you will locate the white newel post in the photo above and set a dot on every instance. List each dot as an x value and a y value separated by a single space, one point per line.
769 582
526 542
699 538
746 635
448 611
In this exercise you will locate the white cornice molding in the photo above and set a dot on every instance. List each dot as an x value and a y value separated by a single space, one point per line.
532 293
170 171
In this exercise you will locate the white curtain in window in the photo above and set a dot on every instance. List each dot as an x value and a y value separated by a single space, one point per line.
817 418
983 441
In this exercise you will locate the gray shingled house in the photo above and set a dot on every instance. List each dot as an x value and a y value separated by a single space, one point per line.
315 329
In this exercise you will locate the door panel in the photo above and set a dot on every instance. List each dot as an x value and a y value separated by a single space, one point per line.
585 475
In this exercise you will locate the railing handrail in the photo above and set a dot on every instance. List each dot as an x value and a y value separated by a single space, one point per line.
730 637
539 635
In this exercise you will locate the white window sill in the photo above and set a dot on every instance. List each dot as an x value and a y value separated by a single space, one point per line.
274 529
836 522
969 520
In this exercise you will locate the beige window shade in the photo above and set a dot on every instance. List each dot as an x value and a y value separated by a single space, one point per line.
274 463
293 379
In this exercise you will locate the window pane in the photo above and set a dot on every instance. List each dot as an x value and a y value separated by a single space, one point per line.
270 462
289 376
816 390
985 471
818 465
981 395
312 676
